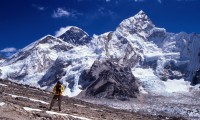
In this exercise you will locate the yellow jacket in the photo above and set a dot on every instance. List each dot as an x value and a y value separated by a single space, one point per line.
61 90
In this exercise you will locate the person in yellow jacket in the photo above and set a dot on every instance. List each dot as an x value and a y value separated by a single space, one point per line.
58 90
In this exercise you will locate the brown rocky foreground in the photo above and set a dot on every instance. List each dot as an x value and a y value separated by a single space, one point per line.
16 100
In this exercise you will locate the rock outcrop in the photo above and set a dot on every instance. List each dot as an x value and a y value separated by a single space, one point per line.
196 78
110 80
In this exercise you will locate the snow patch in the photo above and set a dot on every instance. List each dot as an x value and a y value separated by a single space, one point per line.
63 114
177 86
3 85
31 109
31 99
141 89
55 113
2 103
82 118
79 105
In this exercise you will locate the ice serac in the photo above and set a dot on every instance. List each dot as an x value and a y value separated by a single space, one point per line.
180 54
31 63
75 36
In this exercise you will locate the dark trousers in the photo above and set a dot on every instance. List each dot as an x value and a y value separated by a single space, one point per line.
59 99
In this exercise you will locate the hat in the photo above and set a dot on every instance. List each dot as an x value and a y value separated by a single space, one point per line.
59 82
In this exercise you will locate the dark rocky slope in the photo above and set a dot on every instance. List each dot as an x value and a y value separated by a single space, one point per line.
109 80
75 36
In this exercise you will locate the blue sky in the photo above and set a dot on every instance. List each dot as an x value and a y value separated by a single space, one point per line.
24 21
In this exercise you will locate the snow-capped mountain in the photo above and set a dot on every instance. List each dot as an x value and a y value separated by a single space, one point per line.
152 54
29 64
75 36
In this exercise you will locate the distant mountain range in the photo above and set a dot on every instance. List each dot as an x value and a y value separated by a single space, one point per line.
136 43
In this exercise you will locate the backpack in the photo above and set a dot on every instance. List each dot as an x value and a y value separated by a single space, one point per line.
58 89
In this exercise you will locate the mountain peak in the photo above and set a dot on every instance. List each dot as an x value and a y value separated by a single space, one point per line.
75 36
63 30
141 14
47 36
139 24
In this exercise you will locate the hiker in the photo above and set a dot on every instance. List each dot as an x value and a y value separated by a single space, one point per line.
58 90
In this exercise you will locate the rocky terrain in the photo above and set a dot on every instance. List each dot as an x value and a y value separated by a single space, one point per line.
109 80
113 85
22 102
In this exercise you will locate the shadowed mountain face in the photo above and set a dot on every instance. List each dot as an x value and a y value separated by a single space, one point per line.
75 36
55 73
110 80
